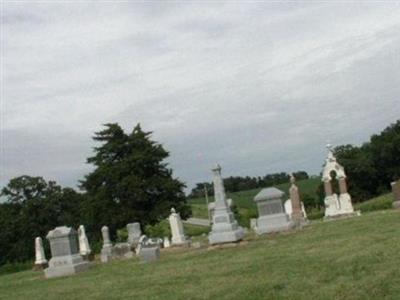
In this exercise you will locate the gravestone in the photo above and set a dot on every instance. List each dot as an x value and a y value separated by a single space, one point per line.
84 247
297 213
147 250
106 250
396 193
167 243
336 205
178 234
225 228
109 252
134 234
288 208
40 258
271 215
65 257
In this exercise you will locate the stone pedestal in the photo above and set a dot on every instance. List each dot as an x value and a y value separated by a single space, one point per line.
272 217
178 234
225 228
65 259
396 193
40 258
134 234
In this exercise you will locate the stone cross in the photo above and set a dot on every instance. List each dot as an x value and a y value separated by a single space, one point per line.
84 247
40 258
178 234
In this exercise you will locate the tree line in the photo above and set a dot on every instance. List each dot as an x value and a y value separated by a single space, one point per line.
130 182
237 183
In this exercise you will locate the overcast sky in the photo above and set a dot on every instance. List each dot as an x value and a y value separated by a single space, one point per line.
258 87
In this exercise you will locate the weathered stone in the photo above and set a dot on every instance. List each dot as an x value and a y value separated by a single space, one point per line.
225 228
271 214
65 259
134 234
178 234
167 243
84 247
336 205
147 250
297 213
40 258
106 250
148 254
121 250
396 193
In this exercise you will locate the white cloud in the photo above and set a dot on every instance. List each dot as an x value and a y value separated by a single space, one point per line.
259 87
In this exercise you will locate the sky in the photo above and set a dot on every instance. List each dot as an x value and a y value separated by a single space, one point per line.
259 87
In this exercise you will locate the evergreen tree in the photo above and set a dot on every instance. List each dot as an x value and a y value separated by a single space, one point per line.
130 182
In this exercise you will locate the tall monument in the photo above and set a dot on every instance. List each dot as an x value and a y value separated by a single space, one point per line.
335 205
225 228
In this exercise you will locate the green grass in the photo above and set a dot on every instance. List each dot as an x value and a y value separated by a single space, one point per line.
379 203
244 199
355 258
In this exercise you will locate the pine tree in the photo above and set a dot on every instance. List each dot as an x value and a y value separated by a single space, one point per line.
131 181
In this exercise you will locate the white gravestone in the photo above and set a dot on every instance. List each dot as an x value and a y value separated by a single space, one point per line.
288 208
134 234
271 214
106 250
84 247
65 259
167 243
147 250
225 228
178 234
40 258
335 205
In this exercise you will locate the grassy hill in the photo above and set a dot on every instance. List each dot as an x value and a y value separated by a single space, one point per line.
355 258
244 199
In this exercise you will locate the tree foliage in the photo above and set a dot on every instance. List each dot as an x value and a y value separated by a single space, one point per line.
237 183
33 207
131 181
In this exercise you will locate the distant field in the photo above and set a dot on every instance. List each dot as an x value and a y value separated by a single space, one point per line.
350 259
244 199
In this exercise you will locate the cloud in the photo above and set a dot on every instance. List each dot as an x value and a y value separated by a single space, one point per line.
258 87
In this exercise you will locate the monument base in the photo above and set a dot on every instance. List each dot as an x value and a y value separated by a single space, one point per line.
65 265
226 236
40 267
273 223
343 216
185 244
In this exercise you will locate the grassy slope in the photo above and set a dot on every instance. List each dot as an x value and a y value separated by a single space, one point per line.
244 199
355 258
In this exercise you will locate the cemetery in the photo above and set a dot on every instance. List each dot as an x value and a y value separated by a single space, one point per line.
174 150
